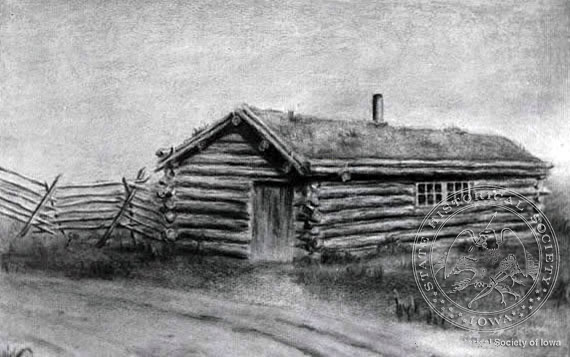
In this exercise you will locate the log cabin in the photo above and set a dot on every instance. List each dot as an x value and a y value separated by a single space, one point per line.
270 185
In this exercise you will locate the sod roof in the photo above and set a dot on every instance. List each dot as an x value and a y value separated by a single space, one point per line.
315 137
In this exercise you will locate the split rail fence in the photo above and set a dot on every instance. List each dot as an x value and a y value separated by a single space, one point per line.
51 208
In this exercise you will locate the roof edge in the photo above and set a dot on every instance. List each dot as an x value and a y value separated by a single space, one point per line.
299 162
181 149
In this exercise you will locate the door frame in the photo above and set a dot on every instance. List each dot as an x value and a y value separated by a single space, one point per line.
255 217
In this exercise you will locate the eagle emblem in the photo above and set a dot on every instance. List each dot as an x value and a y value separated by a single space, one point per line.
486 267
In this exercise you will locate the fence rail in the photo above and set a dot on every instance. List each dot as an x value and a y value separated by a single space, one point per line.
99 206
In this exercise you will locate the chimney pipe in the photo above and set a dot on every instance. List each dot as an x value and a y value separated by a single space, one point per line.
291 115
378 108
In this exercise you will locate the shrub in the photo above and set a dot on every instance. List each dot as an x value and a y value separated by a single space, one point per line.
16 352
558 212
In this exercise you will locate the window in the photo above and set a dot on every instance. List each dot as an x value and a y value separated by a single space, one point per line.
432 193
454 190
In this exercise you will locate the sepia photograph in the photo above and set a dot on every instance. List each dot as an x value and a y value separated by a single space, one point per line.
284 178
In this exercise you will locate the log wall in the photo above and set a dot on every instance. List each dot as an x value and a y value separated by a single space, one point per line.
360 216
208 197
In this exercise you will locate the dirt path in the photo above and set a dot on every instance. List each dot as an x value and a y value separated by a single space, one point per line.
62 317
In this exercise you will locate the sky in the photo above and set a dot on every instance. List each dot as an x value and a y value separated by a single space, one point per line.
92 89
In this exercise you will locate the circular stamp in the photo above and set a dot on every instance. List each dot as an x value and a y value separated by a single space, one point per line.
485 258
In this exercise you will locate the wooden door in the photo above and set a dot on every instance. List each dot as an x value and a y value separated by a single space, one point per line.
273 231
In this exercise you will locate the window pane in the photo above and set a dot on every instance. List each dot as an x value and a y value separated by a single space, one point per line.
465 185
429 187
458 186
421 200
449 187
438 198
438 187
430 200
421 187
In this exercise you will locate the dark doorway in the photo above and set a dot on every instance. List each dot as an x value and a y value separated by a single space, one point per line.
273 231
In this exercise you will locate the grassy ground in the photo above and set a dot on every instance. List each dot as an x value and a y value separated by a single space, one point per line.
362 287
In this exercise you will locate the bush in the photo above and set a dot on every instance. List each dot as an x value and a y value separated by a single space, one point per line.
558 212
16 352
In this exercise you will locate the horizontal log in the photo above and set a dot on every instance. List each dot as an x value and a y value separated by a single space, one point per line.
206 221
501 199
87 211
234 209
525 236
95 185
144 201
361 241
373 162
451 232
66 220
369 213
91 202
213 170
138 208
357 190
85 216
232 138
7 212
140 187
230 249
183 193
88 195
145 222
21 189
364 214
17 196
326 185
199 234
511 182
422 171
42 217
358 242
27 179
391 224
366 188
524 191
378 239
227 159
26 209
218 248
148 214
233 148
213 182
82 227
335 204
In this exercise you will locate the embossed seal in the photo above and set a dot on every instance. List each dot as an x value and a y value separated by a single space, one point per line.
485 259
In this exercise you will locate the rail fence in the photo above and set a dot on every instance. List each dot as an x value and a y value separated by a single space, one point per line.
51 208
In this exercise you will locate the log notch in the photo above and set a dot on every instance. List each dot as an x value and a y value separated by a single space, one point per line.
212 193
308 217
166 193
